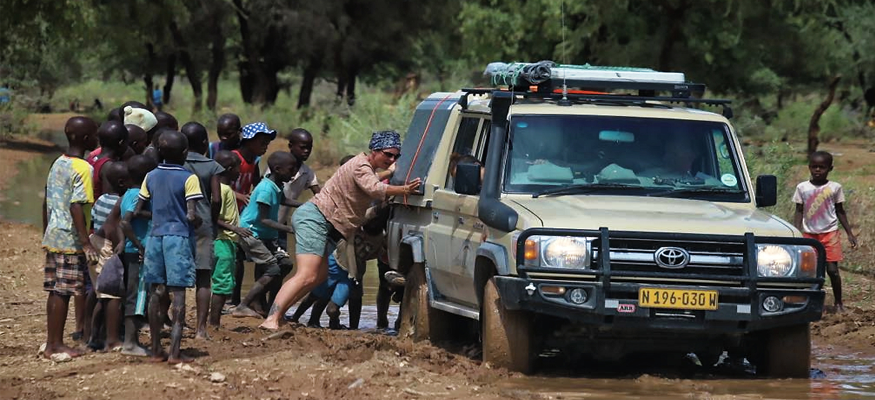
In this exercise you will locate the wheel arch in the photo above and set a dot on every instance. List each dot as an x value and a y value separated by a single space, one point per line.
491 260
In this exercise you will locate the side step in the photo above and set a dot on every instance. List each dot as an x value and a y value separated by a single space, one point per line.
447 306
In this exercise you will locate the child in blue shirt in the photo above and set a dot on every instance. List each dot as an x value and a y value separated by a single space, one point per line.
169 263
261 217
136 230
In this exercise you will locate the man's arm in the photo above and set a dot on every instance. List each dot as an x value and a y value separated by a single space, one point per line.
263 217
797 217
843 218
78 213
315 189
45 215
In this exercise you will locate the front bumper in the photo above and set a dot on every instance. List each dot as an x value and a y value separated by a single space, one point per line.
612 290
619 309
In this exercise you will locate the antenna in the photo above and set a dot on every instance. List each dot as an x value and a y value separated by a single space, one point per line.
564 100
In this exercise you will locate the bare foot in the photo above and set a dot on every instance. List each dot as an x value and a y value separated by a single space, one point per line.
242 311
135 350
112 347
181 360
269 325
202 335
840 308
161 357
61 349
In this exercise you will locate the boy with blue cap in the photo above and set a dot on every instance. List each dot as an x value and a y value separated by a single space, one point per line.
254 139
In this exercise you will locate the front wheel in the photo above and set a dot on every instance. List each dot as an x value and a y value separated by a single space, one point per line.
785 352
507 334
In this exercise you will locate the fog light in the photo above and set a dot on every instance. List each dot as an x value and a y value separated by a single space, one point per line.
773 304
577 296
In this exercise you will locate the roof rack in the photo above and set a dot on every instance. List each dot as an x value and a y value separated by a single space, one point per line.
594 84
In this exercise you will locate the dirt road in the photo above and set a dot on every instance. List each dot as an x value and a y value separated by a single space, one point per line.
242 363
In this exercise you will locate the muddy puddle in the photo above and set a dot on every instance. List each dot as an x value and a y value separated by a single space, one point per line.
834 376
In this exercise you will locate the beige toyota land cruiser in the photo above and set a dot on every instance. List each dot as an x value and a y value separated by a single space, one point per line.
599 211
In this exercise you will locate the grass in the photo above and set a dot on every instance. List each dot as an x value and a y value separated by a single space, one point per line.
338 129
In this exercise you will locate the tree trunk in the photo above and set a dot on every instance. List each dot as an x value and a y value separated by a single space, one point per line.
171 75
147 76
351 76
310 74
218 61
675 17
194 77
814 125
247 63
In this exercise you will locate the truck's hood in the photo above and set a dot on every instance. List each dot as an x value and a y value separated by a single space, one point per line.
652 214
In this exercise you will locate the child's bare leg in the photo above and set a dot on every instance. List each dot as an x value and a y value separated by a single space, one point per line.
156 321
178 310
832 269
217 301
95 326
333 311
238 283
258 288
384 297
90 304
112 310
132 346
316 313
302 308
202 297
79 306
56 318
165 308
355 306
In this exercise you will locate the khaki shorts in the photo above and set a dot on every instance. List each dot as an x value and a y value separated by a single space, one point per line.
104 250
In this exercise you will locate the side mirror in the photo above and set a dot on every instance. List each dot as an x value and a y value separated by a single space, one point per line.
467 179
767 191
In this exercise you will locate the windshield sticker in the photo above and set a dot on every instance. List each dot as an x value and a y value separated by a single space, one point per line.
729 180
522 124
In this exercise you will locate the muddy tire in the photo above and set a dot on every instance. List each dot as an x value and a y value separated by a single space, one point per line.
418 320
786 352
507 334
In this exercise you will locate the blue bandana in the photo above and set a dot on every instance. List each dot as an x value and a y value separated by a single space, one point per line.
250 130
385 140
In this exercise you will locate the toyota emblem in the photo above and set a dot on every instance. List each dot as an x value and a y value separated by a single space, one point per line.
671 257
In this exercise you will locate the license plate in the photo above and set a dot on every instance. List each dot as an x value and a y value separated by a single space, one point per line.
677 298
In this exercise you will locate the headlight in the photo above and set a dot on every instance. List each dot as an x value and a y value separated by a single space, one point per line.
557 252
786 260
774 261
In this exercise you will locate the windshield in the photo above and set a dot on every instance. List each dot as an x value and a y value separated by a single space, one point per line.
572 154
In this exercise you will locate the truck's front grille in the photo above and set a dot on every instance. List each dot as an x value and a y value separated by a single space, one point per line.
711 258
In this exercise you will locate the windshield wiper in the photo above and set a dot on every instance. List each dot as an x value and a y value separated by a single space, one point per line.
698 190
585 188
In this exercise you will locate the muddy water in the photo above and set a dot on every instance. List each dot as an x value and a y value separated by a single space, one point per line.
22 202
834 376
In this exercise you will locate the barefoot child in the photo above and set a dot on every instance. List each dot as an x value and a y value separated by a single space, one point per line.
169 264
260 216
228 233
819 209
255 138
136 230
105 239
207 171
69 194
